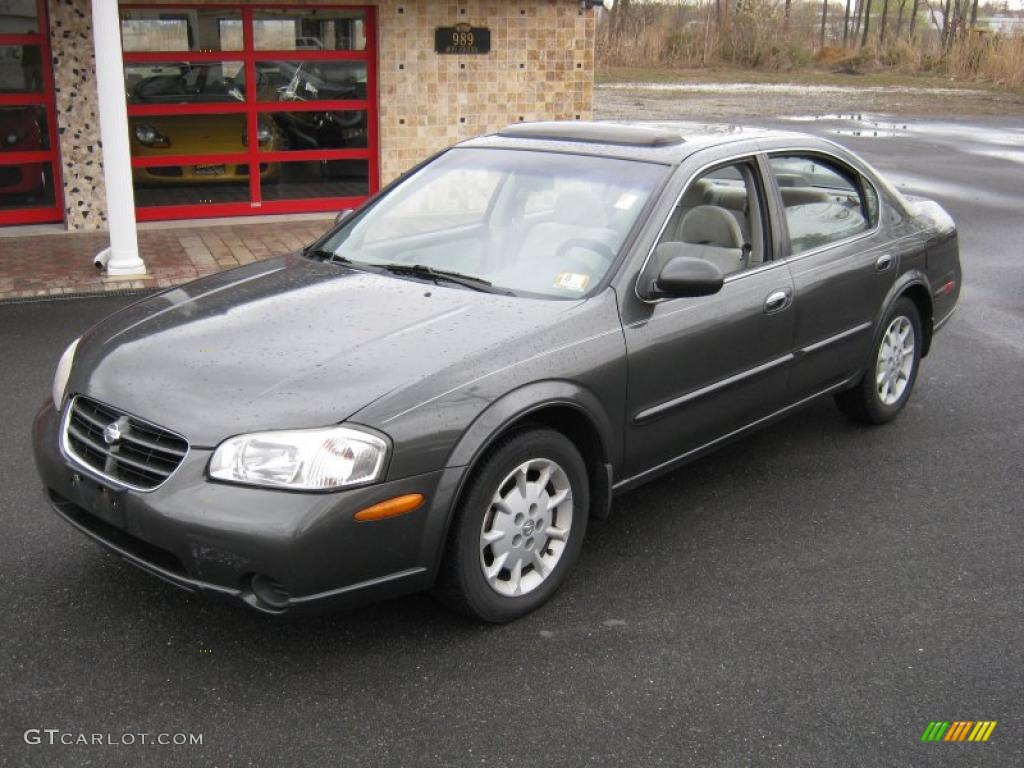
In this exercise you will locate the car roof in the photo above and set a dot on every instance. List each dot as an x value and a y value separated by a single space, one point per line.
660 142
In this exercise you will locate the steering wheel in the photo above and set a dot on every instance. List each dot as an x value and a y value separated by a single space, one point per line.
602 249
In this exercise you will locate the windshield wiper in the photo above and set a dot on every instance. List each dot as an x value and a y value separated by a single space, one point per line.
443 275
323 254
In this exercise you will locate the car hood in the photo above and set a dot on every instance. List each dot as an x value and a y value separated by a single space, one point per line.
193 134
289 343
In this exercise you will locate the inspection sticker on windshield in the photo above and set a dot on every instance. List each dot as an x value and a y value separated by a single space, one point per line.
572 281
626 201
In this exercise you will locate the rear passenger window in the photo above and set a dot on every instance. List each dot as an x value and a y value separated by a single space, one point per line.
824 201
719 219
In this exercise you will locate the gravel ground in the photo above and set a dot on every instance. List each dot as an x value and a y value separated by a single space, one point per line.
742 101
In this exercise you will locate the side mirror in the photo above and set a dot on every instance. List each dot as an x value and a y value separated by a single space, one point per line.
684 275
342 216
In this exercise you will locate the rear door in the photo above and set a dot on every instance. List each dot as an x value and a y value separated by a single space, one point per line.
842 263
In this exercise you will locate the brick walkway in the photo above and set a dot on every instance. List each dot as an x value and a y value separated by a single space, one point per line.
60 263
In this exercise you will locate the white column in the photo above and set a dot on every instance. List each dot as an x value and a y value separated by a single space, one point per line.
122 258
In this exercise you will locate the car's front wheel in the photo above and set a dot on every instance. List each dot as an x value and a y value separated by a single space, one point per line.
890 377
518 529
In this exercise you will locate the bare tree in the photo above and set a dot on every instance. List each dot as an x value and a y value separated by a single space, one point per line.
846 24
785 22
913 18
885 17
899 18
824 18
974 14
867 23
947 26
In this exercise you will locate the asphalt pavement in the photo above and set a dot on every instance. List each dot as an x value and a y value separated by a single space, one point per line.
814 595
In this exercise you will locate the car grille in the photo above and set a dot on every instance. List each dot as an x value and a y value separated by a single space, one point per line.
169 171
142 456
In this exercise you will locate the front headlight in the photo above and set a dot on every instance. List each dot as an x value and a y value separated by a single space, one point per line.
60 378
305 459
149 136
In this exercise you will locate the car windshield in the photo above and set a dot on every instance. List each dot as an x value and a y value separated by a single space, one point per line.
534 223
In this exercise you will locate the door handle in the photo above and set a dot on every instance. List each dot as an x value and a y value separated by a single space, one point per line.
776 302
883 263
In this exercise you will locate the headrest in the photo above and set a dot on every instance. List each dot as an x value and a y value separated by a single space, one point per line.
803 196
711 225
577 207
733 198
792 180
695 194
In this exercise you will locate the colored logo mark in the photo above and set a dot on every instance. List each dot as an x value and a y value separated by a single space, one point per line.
958 730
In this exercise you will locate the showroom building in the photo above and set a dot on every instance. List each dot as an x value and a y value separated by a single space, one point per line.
241 108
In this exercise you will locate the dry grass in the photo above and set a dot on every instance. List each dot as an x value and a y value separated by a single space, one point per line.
756 36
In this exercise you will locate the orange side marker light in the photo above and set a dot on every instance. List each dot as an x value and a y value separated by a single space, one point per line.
399 505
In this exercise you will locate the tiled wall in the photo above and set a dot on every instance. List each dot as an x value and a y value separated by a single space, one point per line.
540 67
74 72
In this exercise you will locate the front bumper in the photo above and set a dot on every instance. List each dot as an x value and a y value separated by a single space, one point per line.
214 537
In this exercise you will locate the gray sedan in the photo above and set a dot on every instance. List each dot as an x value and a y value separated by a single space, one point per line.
442 391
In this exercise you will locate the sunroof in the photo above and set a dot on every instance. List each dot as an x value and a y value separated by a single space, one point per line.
593 133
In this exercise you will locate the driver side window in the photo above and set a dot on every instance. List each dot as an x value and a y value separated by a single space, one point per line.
719 219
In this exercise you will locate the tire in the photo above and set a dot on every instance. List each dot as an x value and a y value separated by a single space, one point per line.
889 379
479 577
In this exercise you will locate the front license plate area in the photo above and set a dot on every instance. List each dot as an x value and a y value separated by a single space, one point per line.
102 501
210 170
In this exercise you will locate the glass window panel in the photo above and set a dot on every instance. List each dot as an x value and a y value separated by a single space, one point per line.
199 184
163 135
317 178
821 201
310 80
181 30
21 69
309 29
183 83
18 17
455 199
23 129
298 131
26 185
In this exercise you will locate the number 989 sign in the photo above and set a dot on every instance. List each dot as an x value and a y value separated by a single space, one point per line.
462 39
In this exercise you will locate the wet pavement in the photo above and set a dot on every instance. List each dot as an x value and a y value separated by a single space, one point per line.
811 596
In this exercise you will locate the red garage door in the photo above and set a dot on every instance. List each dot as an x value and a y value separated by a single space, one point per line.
28 133
236 110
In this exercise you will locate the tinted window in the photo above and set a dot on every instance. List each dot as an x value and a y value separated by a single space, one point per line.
718 219
824 201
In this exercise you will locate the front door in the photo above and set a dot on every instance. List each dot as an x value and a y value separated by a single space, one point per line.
701 368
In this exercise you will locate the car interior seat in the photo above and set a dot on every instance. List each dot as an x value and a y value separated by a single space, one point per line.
715 236
577 215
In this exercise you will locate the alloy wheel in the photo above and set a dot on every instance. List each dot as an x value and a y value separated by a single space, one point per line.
895 361
526 528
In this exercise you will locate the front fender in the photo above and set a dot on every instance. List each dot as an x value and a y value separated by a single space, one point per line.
531 398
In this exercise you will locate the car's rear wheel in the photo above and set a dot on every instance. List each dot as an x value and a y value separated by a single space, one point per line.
890 376
518 529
